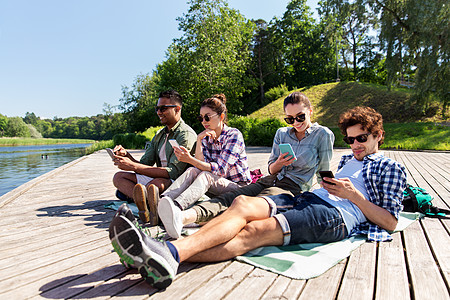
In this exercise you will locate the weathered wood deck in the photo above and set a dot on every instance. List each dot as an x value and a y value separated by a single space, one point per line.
54 244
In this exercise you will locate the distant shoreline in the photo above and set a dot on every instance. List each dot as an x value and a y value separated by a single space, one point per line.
7 141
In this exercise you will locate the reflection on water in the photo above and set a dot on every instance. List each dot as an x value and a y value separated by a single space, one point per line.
20 164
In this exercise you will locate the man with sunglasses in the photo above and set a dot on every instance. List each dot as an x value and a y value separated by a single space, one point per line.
364 198
138 178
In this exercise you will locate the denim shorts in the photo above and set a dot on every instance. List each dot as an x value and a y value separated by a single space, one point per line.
307 218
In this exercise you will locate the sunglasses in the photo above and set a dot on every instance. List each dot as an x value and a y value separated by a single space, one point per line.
299 118
362 138
163 108
206 117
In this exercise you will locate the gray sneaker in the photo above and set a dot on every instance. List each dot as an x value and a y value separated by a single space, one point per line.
152 258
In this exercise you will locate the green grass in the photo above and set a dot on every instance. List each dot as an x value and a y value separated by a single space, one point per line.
409 136
331 99
406 126
99 145
43 141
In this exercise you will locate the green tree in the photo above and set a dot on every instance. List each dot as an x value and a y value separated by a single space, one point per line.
17 128
3 124
415 36
138 103
213 54
307 57
30 118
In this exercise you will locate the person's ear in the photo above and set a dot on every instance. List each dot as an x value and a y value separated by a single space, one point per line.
222 117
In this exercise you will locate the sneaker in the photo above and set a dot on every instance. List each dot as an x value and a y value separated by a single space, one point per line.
152 203
171 217
152 258
140 198
125 210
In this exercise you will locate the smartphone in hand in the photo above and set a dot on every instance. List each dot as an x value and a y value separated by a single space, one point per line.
174 144
111 153
287 148
327 174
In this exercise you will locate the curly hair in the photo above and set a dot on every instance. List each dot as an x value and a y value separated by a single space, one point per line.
367 117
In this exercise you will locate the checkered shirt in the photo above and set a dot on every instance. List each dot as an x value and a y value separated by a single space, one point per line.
385 181
227 155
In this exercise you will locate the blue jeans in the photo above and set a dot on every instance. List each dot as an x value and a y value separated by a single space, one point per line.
307 218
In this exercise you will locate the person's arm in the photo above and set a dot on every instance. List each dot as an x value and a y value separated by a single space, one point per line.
325 149
126 164
276 159
119 150
344 188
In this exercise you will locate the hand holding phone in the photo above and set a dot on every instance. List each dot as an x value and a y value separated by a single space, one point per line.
287 148
328 174
111 153
174 144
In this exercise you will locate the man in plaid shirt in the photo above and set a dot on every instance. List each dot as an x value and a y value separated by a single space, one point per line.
364 197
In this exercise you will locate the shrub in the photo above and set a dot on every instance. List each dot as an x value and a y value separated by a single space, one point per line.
277 92
130 140
256 132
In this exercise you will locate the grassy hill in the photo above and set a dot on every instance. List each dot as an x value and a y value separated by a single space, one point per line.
331 99
407 127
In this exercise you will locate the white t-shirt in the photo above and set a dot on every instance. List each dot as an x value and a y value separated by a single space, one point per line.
162 153
351 214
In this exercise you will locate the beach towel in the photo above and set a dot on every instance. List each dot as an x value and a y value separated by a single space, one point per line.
306 261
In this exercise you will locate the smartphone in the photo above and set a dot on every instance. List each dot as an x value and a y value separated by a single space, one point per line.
287 148
327 174
174 143
111 153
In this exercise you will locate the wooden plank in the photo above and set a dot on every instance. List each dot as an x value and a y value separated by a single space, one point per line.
327 283
439 240
359 276
47 282
219 285
183 286
392 278
278 288
427 282
253 286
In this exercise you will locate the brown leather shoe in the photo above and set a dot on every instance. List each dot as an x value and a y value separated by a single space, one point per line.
140 198
152 202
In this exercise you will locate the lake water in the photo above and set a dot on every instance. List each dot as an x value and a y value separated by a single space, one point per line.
20 164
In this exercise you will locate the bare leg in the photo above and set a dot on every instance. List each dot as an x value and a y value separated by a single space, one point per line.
255 234
125 182
225 227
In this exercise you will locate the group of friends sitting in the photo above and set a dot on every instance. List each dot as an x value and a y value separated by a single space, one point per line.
363 197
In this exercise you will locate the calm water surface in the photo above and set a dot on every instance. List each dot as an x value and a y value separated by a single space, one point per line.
20 164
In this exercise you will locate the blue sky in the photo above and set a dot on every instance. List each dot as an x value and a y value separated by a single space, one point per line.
68 58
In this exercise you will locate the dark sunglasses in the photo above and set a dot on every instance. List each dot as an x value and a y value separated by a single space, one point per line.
362 138
206 117
299 118
163 108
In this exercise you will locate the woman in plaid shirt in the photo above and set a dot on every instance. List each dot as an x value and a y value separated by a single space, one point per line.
220 165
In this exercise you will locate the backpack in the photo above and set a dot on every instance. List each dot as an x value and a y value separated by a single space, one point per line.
416 199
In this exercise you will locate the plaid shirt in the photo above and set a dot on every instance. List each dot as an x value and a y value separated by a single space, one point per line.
385 181
227 155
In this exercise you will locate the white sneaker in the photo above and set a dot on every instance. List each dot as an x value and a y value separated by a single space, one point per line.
171 217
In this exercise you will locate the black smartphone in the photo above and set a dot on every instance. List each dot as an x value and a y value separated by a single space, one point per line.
327 174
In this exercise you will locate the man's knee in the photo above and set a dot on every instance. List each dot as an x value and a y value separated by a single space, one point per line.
161 183
253 208
119 177
261 233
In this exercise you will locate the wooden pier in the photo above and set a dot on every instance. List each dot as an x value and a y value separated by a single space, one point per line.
54 244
